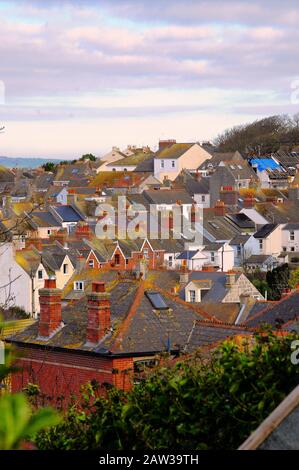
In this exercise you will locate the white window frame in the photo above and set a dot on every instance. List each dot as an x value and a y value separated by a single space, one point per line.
91 263
38 274
65 268
162 163
79 285
192 296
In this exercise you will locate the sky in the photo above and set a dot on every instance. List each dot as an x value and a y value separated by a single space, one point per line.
82 76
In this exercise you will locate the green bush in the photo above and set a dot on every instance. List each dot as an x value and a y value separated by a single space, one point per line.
195 404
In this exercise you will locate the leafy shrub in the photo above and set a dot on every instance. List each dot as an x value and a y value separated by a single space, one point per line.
195 404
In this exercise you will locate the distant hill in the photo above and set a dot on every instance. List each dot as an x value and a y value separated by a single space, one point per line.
24 162
262 137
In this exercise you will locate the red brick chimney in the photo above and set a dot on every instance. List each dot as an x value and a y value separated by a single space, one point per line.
36 242
248 202
219 208
166 143
98 313
50 308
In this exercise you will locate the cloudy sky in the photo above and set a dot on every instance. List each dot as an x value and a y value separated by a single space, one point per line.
81 76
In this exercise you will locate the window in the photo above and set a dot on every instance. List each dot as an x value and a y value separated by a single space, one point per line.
170 260
40 274
212 256
261 244
284 248
162 163
239 250
292 248
145 252
203 198
65 268
172 164
91 263
292 235
127 261
49 231
117 259
156 300
79 285
192 296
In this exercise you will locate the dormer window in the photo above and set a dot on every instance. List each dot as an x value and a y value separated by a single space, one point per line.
65 268
79 285
91 263
145 252
192 295
40 274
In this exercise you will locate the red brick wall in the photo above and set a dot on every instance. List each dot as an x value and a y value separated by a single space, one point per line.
63 373
154 261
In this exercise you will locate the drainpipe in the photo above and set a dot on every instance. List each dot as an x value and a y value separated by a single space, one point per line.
32 294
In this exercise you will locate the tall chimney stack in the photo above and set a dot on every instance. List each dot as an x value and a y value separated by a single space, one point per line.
50 309
98 313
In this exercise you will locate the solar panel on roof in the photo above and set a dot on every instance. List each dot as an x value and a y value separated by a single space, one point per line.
156 300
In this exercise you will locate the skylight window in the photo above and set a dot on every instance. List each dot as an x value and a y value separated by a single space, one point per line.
156 300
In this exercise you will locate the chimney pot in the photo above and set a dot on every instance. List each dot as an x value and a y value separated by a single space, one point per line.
50 283
98 287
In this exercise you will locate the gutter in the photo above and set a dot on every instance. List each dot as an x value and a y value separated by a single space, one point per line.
84 352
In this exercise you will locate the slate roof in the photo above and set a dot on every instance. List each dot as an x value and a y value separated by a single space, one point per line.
292 226
67 213
258 259
168 196
173 151
44 219
146 166
207 333
278 313
219 227
241 220
44 181
264 231
136 330
239 239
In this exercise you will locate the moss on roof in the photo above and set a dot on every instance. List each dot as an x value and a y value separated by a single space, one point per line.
132 160
28 259
174 151
106 177
20 207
